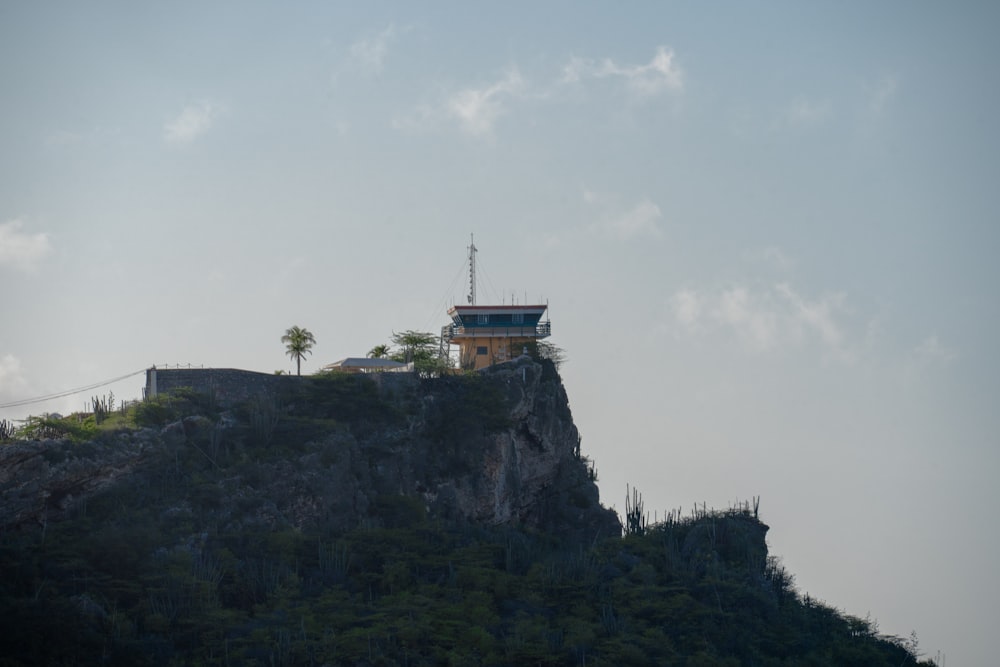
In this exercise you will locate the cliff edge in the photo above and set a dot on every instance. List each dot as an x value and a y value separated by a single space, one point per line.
338 452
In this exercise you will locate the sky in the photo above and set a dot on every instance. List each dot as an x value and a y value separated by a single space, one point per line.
766 233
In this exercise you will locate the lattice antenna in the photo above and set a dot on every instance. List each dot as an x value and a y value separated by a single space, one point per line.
472 270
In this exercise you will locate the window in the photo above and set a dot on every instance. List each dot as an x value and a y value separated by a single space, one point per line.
484 318
517 318
482 351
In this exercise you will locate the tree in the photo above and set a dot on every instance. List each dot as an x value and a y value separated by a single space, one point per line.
414 345
553 353
298 343
422 349
379 352
543 349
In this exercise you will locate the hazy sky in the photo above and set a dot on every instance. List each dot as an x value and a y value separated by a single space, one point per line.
767 233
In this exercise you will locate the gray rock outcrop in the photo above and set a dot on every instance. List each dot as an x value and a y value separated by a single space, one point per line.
499 448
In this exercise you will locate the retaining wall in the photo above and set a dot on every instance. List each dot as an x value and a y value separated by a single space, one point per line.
229 385
232 386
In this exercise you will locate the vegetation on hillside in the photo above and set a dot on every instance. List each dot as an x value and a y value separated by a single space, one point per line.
420 348
173 565
137 583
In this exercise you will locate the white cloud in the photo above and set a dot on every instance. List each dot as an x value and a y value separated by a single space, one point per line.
932 352
658 75
928 356
687 308
764 319
771 256
21 250
803 112
477 109
883 94
192 122
576 69
368 54
818 316
752 316
641 220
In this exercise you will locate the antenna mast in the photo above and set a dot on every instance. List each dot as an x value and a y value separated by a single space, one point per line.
472 270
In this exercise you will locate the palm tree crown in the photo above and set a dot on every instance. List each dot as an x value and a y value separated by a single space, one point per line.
379 352
298 343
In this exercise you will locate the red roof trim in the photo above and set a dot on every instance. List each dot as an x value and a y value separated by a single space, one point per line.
459 309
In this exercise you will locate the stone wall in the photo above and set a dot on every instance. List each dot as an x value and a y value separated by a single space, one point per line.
229 385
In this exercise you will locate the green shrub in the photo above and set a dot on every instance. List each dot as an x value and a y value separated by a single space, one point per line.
7 430
169 407
156 411
47 427
348 398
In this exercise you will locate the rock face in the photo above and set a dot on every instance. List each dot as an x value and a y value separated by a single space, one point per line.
532 472
42 481
497 448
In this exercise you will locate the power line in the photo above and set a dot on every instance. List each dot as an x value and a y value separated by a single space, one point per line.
68 392
448 295
496 297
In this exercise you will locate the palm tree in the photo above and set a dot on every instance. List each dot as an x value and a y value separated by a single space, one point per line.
298 342
379 352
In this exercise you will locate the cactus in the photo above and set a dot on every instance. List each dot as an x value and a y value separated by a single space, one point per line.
265 412
635 514
102 406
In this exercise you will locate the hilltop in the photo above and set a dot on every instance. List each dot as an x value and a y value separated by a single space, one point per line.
393 520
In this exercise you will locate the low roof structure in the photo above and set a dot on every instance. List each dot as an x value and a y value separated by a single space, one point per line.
368 365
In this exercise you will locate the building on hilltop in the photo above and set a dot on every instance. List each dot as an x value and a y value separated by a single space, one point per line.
487 335
368 365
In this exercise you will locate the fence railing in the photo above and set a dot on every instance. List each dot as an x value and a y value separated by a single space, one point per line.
540 330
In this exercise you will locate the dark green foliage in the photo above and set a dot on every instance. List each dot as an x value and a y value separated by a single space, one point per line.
264 413
420 348
344 397
181 563
398 511
102 406
128 584
166 408
7 430
298 343
466 405
542 350
48 427
635 514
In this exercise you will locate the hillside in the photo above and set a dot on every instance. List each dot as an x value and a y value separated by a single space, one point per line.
397 521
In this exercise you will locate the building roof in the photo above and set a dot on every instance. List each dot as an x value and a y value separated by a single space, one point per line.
489 310
364 364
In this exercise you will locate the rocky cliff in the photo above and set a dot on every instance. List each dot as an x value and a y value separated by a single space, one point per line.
497 448
392 520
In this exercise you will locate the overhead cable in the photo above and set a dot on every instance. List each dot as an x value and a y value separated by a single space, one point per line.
68 392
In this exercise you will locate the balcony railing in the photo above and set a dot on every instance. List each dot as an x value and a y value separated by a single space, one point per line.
540 330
